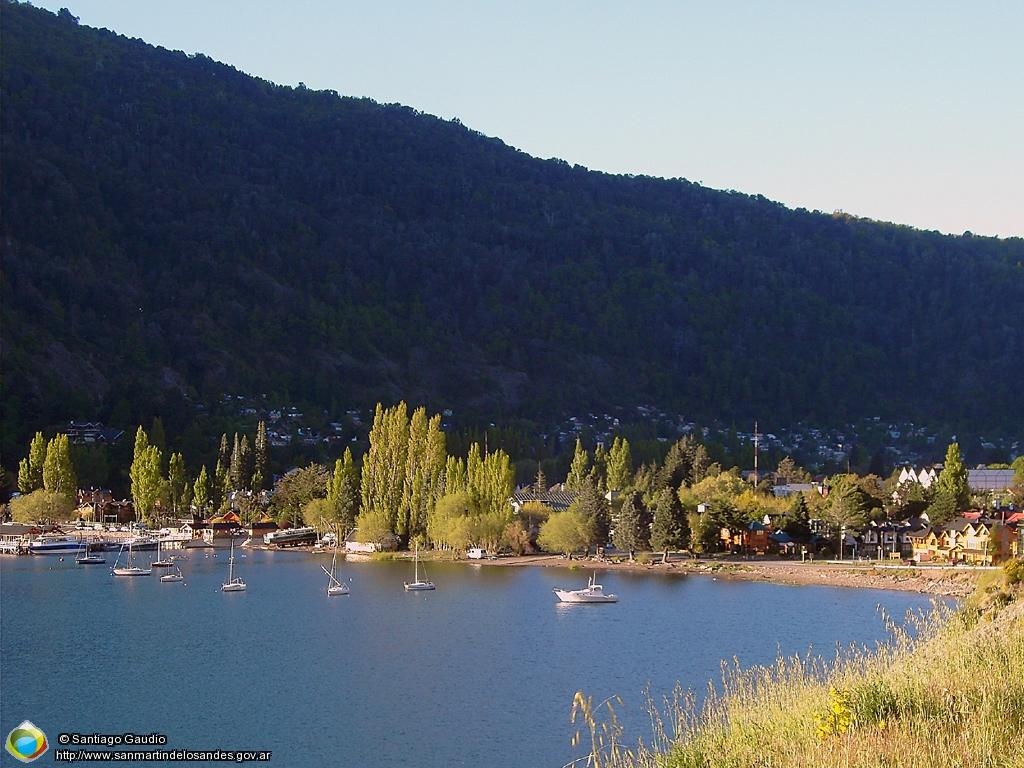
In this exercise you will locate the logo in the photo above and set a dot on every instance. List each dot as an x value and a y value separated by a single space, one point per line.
26 742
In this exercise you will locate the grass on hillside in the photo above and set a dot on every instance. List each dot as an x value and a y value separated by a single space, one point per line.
949 695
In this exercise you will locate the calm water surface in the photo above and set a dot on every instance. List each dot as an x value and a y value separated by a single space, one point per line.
480 672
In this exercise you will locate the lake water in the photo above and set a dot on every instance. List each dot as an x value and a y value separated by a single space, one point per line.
480 672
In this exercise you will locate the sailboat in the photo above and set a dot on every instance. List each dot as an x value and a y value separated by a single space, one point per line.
85 557
172 577
159 563
335 587
417 585
131 569
234 583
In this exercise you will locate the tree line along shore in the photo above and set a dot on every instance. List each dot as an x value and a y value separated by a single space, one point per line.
406 490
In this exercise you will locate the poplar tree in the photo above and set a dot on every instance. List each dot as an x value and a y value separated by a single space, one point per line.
147 480
201 492
455 482
383 478
952 480
58 470
235 466
32 477
578 469
343 492
177 482
620 465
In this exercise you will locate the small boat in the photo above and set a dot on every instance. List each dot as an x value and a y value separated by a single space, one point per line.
335 587
234 583
172 577
131 569
159 562
86 557
417 585
592 593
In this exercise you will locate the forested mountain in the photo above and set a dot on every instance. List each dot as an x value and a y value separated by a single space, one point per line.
172 226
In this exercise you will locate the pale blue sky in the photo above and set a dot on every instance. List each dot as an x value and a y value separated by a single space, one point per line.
905 111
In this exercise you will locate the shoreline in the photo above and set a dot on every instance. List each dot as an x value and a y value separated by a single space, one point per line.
938 581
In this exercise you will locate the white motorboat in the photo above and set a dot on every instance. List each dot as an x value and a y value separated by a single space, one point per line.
416 585
592 593
54 544
335 587
234 583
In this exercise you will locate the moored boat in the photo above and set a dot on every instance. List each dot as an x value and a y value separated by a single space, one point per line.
592 593
54 544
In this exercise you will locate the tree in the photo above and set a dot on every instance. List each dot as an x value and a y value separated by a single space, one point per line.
147 481
702 531
668 531
177 482
566 532
261 457
343 492
952 480
58 471
24 477
578 470
620 465
384 465
30 471
41 506
373 526
629 535
677 468
201 492
594 508
449 525
296 489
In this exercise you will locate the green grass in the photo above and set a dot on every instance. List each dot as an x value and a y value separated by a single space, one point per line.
948 695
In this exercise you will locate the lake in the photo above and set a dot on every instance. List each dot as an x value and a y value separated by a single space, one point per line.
480 672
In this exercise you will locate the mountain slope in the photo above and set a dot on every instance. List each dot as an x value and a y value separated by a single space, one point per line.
174 226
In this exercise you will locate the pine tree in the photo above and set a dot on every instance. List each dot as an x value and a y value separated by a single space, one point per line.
594 507
668 530
579 468
221 485
677 468
261 458
235 466
629 534
246 463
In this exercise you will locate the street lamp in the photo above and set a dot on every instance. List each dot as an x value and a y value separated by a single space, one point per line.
842 538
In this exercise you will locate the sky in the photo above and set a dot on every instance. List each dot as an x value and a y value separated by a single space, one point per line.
909 111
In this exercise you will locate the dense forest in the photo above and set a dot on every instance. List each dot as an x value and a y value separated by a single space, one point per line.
174 229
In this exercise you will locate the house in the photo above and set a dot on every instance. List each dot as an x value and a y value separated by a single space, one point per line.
990 480
558 498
